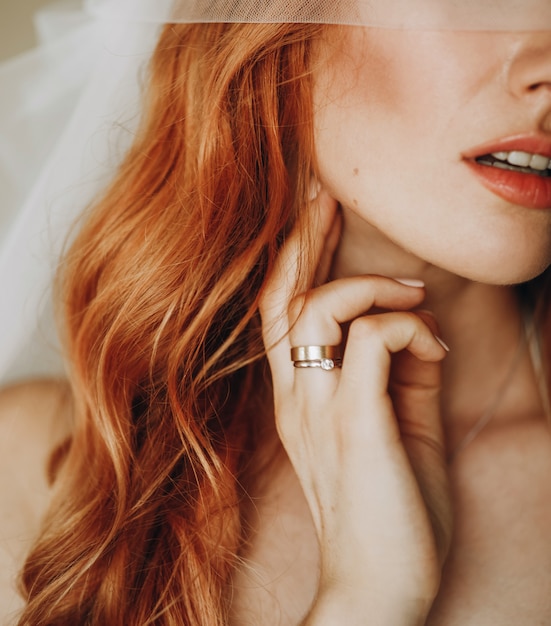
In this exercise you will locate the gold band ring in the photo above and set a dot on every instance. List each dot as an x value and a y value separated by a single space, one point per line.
324 357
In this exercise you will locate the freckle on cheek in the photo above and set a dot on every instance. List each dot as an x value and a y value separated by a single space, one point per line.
356 171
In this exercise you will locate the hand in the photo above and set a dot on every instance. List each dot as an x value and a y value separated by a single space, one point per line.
365 440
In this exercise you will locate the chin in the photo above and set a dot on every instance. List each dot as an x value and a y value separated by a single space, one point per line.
509 257
506 271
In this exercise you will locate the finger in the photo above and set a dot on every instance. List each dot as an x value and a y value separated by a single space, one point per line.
331 245
321 313
415 391
293 273
289 275
318 232
316 317
407 371
371 342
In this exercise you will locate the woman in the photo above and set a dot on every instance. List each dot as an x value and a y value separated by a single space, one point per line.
350 201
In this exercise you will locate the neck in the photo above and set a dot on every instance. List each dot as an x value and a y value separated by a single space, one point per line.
480 323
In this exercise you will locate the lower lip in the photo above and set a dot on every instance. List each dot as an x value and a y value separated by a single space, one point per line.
527 190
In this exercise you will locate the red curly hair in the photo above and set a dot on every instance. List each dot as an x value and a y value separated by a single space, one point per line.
160 295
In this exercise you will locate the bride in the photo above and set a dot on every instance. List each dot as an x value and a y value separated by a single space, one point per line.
306 335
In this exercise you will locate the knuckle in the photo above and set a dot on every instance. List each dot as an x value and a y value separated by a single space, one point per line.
412 318
410 325
373 328
305 307
366 328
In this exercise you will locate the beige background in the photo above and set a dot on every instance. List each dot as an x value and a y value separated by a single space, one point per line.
16 28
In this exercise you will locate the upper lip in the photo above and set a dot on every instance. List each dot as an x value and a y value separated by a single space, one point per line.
531 143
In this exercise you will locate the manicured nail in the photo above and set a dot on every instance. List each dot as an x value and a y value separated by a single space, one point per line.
442 343
315 188
410 282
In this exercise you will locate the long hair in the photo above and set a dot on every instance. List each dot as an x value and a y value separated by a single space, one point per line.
159 297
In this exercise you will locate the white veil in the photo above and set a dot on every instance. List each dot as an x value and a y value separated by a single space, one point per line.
66 116
68 108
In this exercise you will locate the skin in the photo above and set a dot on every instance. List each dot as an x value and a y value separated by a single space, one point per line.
368 443
439 224
349 448
422 99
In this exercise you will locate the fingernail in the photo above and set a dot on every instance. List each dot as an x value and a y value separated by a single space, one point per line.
442 343
315 188
410 282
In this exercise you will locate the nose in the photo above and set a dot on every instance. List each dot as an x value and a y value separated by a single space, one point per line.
529 70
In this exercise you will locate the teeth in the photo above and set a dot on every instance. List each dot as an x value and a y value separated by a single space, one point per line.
538 162
524 159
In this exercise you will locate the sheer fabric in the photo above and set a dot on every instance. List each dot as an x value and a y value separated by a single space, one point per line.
67 113
422 14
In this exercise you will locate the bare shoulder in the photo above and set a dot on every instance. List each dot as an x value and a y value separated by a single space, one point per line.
42 404
35 417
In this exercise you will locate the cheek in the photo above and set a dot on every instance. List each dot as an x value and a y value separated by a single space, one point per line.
371 117
395 76
391 120
391 95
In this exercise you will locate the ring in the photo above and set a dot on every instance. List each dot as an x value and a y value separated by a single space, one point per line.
324 357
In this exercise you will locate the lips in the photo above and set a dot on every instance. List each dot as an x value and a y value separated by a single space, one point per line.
516 169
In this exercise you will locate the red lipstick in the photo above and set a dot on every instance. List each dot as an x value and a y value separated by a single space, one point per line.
518 186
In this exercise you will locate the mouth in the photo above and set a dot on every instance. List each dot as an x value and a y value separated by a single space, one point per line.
518 161
516 169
